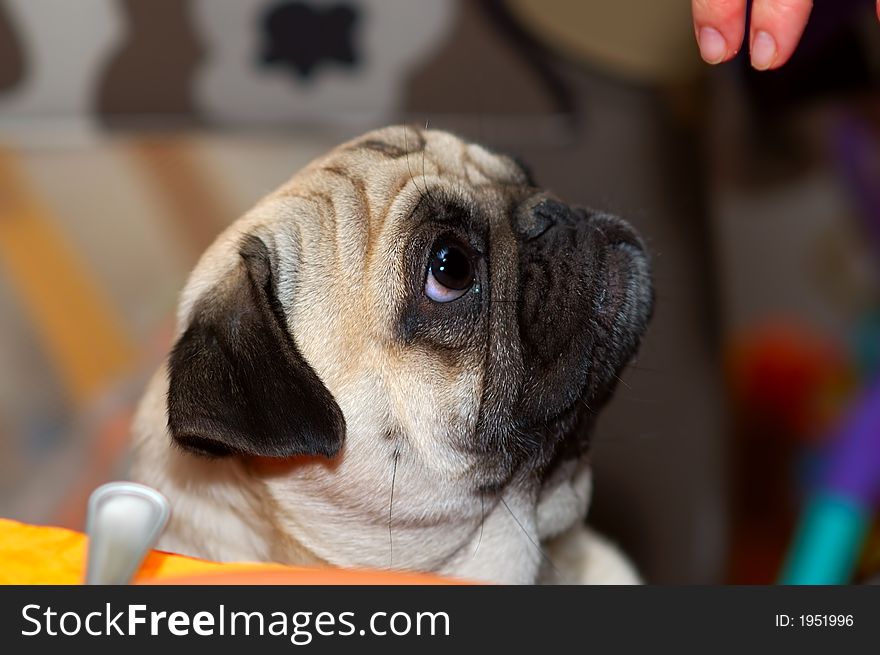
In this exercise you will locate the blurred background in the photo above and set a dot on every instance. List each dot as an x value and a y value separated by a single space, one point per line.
133 131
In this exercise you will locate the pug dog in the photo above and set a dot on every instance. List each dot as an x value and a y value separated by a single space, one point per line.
396 361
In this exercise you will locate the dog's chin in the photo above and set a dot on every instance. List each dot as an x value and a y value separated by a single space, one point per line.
566 436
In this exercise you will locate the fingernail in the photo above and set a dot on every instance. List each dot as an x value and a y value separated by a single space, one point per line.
763 51
713 48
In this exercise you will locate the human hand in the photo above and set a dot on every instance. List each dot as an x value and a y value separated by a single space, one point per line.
776 27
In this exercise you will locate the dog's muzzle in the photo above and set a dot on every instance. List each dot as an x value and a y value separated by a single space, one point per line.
585 300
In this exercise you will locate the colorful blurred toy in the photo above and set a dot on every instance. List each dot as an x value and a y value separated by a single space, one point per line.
808 436
838 515
837 519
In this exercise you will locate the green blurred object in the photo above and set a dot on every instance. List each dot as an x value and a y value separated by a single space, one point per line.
828 542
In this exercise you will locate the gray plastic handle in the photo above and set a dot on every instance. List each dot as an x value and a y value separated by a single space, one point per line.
124 522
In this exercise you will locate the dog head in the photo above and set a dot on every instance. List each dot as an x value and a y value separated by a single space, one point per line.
406 333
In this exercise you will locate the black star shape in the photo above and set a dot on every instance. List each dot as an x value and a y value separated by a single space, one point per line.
300 37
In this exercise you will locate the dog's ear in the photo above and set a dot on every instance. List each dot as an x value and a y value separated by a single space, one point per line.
237 381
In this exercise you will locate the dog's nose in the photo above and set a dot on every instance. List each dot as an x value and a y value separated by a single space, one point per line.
549 212
533 222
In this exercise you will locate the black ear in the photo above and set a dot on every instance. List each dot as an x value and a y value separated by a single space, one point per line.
237 382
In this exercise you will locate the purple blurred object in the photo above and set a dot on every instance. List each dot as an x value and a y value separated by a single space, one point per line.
853 465
835 521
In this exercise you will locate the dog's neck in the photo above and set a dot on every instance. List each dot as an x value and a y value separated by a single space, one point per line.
231 510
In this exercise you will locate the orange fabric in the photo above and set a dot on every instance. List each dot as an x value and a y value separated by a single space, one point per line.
31 554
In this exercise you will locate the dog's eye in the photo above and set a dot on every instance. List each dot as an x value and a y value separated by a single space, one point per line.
450 271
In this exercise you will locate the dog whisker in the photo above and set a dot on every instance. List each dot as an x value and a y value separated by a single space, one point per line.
540 550
408 167
623 382
425 192
587 405
424 177
482 522
394 458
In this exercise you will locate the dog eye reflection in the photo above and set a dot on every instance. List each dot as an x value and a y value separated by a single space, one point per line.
450 271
